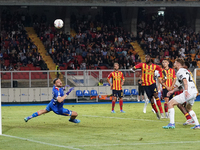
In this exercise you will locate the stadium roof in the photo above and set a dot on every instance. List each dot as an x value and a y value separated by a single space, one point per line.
116 3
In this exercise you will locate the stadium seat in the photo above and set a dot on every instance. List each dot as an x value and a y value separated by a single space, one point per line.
79 93
134 93
95 94
106 84
86 93
127 94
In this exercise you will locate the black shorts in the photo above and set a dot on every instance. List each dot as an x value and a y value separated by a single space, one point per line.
165 91
150 90
118 93
140 90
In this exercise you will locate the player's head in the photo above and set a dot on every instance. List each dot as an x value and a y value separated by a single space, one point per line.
57 82
165 63
116 66
148 58
186 65
179 63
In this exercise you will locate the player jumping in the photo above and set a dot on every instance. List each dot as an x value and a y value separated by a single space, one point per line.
116 86
56 104
149 84
189 94
168 85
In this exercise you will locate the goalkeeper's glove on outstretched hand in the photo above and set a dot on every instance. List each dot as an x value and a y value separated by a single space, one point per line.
65 87
71 89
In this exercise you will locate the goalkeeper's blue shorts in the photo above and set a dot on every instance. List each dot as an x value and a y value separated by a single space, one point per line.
58 111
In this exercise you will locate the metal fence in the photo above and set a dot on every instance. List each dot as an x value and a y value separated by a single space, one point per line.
43 78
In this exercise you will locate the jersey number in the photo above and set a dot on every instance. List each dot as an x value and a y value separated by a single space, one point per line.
189 77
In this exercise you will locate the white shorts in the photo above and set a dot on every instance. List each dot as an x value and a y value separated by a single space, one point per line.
181 98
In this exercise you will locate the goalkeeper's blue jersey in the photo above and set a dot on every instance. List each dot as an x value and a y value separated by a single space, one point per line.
57 92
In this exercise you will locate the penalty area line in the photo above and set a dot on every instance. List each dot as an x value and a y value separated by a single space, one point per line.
128 118
39 142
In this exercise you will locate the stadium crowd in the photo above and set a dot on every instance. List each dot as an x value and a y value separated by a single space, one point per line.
169 39
97 43
17 50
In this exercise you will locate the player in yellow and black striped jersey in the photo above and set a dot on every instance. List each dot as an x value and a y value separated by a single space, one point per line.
168 84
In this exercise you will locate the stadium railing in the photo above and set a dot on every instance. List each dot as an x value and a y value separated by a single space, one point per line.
76 78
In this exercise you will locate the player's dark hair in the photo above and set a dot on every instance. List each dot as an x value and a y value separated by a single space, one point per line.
54 81
187 64
166 59
181 61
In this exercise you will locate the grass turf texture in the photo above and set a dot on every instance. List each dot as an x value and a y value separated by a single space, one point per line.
99 129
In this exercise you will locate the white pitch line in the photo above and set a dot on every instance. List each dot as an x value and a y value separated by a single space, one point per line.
132 144
44 143
127 118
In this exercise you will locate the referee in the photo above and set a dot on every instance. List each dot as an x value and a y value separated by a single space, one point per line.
140 90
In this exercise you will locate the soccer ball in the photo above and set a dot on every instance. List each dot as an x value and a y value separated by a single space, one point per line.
58 23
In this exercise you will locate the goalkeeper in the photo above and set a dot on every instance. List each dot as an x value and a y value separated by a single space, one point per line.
56 104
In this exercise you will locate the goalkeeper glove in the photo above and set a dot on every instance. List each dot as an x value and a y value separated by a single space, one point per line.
65 87
71 89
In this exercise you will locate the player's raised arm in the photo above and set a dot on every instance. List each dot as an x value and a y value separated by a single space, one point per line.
61 99
138 66
161 72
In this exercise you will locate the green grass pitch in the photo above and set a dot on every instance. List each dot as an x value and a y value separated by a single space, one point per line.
99 129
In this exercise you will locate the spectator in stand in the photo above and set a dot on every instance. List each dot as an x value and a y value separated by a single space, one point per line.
84 54
71 66
166 53
83 66
198 56
157 60
57 70
100 82
76 63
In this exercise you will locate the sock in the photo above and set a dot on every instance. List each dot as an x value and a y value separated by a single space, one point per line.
154 107
159 105
194 117
187 116
146 103
113 105
33 115
154 100
165 107
171 115
121 104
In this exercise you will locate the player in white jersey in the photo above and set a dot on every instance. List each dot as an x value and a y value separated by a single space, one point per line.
189 94
159 86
